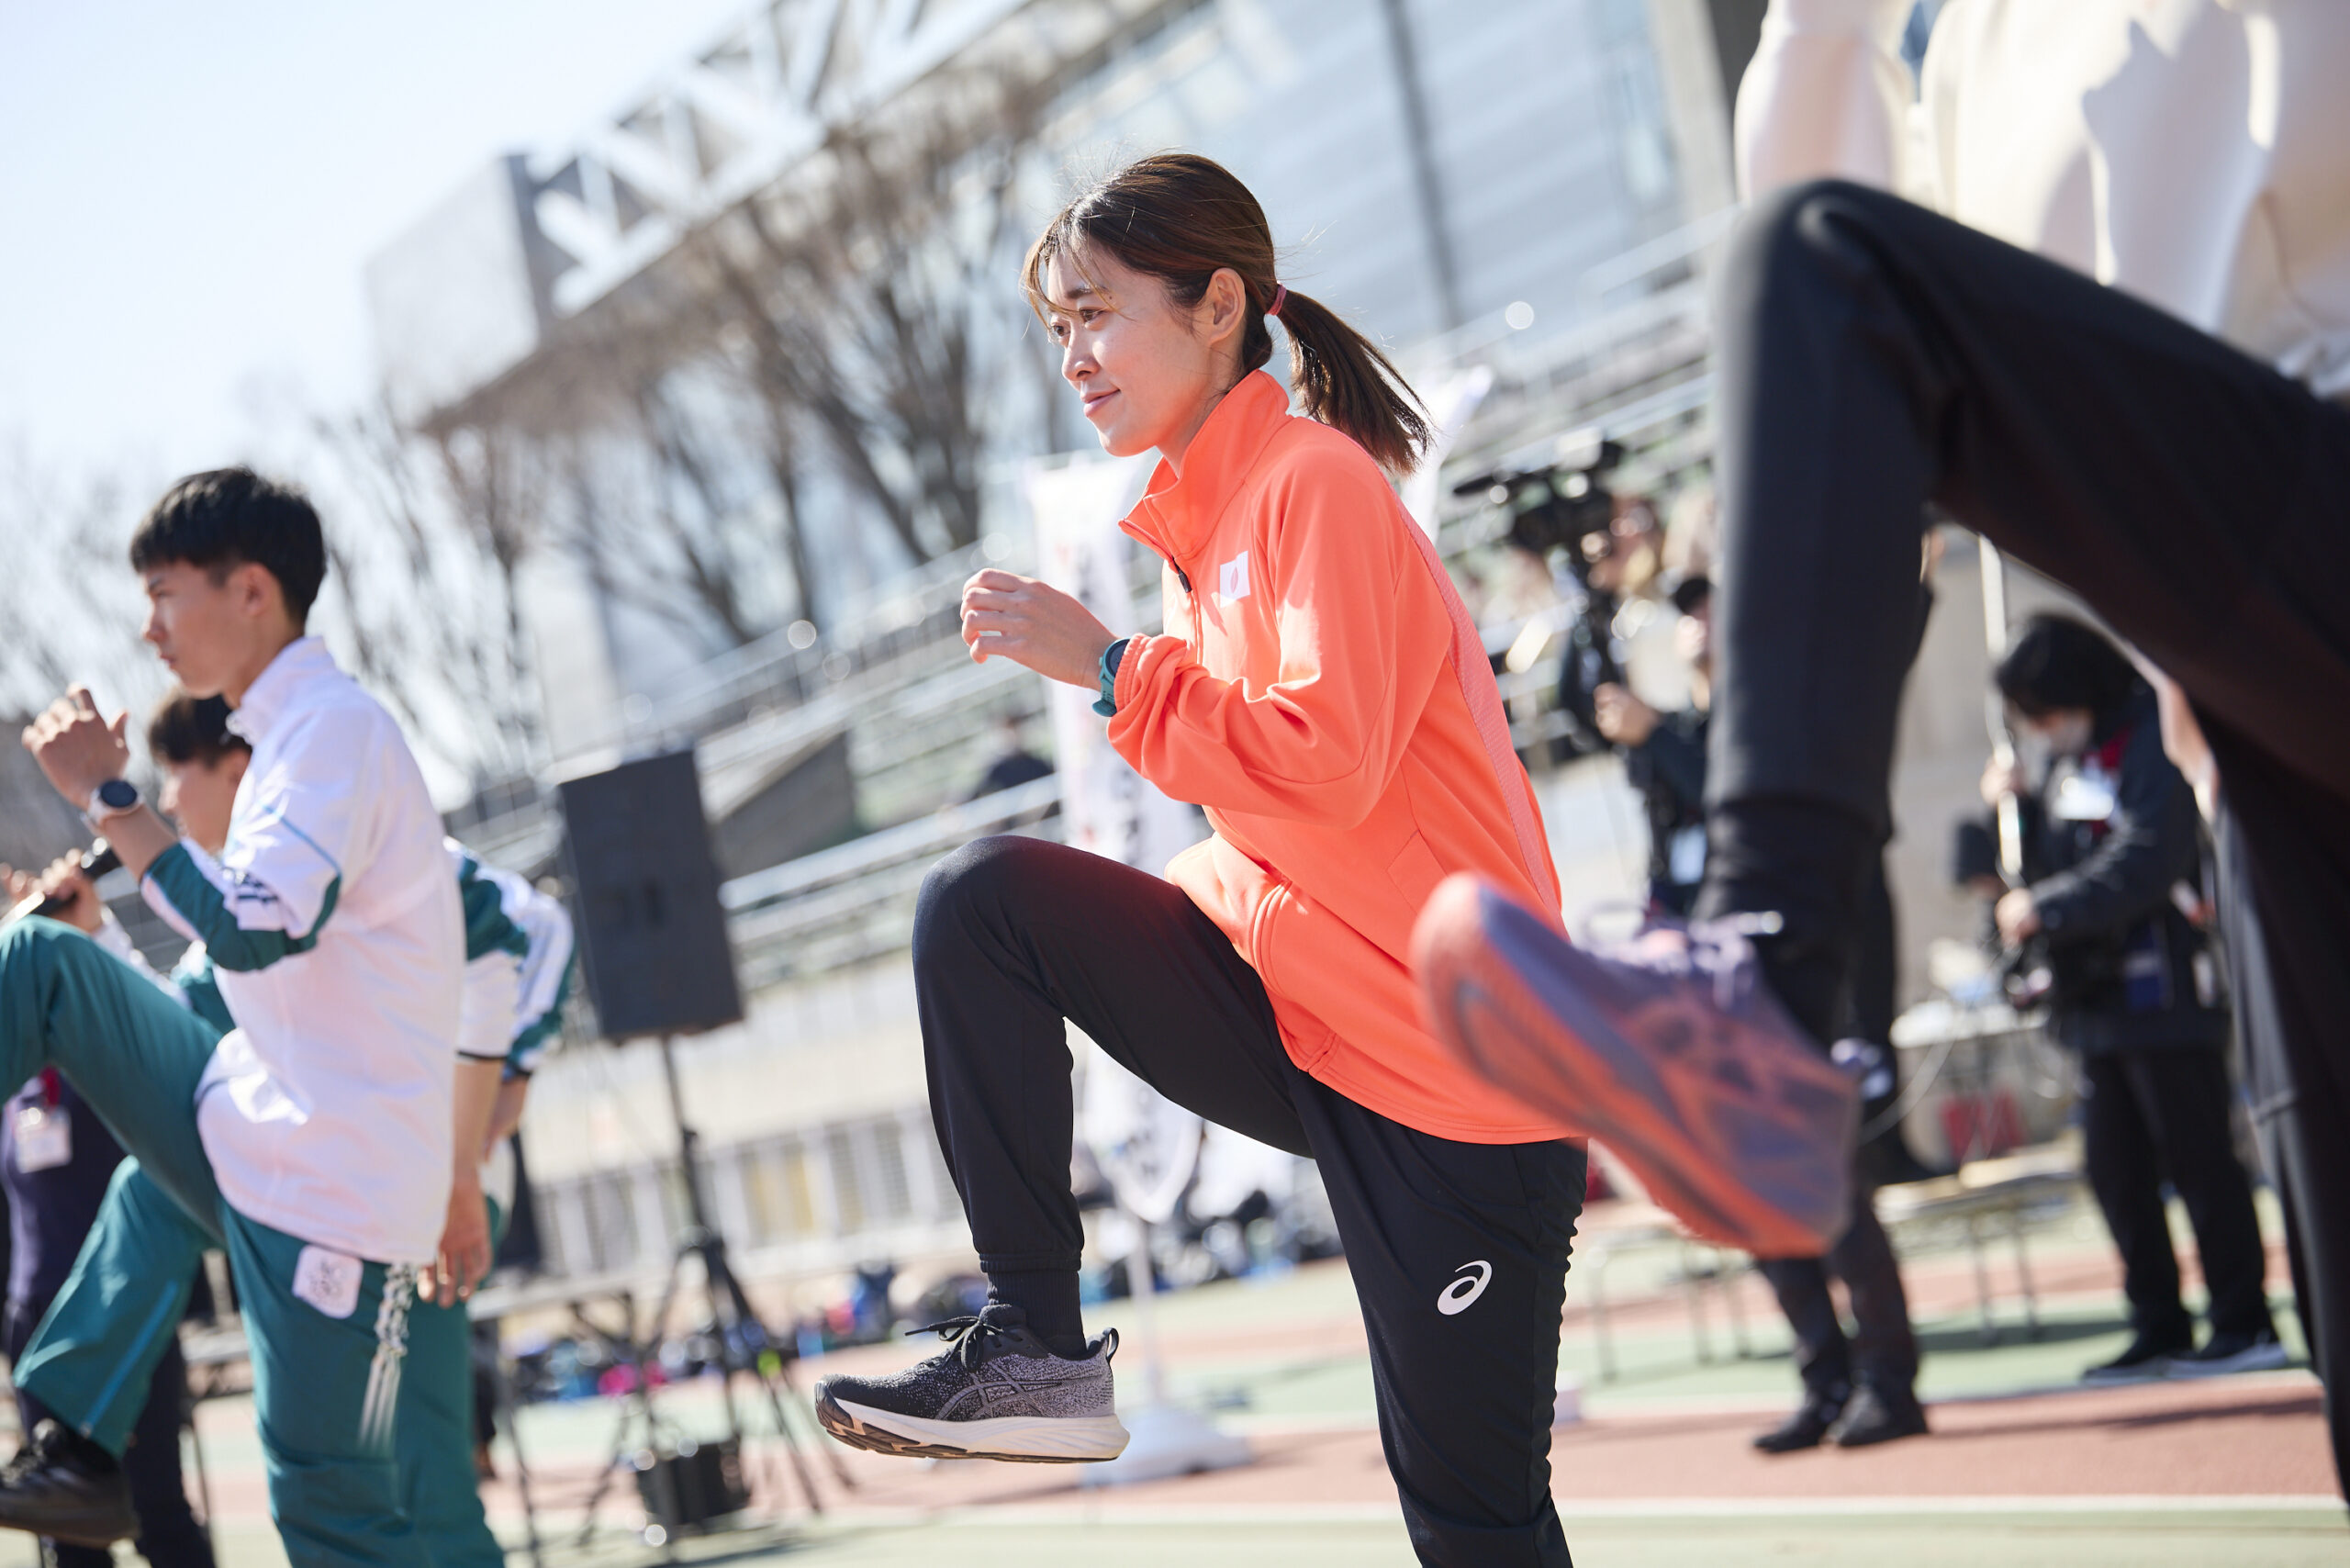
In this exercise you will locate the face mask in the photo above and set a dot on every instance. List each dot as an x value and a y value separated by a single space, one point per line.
2065 734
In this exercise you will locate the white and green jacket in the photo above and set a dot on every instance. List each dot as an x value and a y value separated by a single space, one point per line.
333 929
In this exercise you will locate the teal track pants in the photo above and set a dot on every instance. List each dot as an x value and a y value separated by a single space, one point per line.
326 1363
436 1434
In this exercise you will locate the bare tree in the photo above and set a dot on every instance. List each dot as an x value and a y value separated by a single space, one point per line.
864 296
68 601
426 576
666 510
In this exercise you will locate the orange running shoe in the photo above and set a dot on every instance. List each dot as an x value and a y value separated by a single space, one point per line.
1667 1049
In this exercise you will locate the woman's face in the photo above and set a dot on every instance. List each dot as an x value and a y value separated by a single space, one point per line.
1146 370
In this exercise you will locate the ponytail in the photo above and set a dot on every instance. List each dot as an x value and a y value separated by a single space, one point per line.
1345 382
1181 218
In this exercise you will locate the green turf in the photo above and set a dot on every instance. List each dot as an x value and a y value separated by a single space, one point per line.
2053 1539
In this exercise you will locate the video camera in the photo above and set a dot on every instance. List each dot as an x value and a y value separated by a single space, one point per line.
1560 505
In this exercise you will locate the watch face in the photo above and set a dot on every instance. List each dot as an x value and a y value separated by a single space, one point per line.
119 794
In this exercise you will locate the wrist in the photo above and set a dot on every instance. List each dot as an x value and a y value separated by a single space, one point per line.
1106 676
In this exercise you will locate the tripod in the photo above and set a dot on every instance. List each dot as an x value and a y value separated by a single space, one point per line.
744 1344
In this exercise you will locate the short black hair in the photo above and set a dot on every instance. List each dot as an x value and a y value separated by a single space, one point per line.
2057 662
187 729
229 517
1691 592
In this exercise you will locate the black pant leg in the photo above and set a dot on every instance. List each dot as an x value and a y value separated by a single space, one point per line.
1823 1355
2282 909
1459 1253
2186 1096
2125 1172
1014 938
1885 1345
1883 1349
169 1536
1874 355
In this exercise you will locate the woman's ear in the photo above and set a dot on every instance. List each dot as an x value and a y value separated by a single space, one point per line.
1223 308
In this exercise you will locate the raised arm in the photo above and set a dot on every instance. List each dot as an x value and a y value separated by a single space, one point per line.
1364 634
1826 96
301 828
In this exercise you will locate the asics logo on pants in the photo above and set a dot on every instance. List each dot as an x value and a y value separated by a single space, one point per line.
1463 1291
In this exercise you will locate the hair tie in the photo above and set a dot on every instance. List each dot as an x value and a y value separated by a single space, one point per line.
1280 293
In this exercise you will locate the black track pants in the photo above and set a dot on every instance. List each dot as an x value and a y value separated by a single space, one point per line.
1882 1351
1874 356
2289 1008
1014 936
2153 1115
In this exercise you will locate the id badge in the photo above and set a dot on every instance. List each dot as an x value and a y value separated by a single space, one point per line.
44 1138
1685 855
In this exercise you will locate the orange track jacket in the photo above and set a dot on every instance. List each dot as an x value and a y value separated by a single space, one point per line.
1321 691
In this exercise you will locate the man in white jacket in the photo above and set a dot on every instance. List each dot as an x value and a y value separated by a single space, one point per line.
2113 333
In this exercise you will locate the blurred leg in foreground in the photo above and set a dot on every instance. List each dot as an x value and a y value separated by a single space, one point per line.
1874 356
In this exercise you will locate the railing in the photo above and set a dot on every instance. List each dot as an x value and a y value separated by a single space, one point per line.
840 905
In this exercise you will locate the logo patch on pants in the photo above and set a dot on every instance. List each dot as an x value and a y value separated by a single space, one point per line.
1462 1292
328 1281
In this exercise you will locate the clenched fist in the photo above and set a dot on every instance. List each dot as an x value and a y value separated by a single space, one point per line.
1033 623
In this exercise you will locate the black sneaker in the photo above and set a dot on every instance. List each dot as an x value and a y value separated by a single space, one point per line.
1875 1416
2146 1359
2225 1353
1807 1427
996 1392
65 1487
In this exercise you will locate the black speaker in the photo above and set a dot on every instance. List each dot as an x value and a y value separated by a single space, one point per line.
688 1486
651 931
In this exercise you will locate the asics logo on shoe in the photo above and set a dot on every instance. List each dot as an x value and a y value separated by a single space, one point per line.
1462 1292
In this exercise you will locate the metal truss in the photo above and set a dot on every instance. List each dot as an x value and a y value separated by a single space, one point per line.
736 117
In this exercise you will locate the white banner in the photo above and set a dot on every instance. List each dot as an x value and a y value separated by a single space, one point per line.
1106 808
1146 1146
1450 409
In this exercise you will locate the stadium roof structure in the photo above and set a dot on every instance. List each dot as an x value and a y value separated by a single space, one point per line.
540 239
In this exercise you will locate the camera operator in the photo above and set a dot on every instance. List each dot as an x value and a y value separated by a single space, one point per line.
2112 865
1611 565
1665 756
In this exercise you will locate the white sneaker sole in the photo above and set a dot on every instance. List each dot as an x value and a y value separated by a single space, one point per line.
1034 1440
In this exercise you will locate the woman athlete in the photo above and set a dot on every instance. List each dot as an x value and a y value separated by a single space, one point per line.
1320 691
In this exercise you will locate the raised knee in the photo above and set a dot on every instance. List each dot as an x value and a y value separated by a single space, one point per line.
1798 226
979 877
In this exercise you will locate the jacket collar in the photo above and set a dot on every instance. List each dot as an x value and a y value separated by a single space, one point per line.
1177 515
298 667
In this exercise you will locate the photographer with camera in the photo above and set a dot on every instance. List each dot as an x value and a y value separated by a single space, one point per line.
1859 1389
1665 756
1602 550
2113 863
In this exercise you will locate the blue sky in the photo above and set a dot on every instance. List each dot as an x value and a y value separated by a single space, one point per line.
190 191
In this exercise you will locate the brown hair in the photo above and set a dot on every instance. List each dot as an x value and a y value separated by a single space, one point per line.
1178 217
